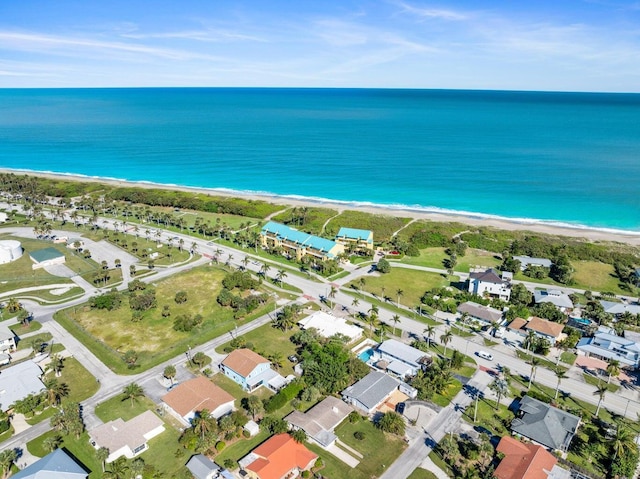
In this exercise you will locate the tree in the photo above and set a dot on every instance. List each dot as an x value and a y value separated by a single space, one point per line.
55 391
560 375
276 359
623 441
68 420
299 435
132 270
131 358
500 387
181 297
399 294
391 422
203 423
520 295
56 364
383 266
280 275
52 442
534 362
132 392
102 455
600 391
254 406
332 294
383 328
200 358
395 319
7 458
117 469
446 339
13 305
170 372
430 332
613 368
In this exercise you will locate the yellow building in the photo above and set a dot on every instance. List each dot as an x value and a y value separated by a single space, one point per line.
355 239
298 244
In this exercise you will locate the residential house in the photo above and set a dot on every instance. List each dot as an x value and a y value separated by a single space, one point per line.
560 300
618 309
127 438
201 467
187 399
328 325
250 370
605 345
298 244
400 359
481 313
17 382
355 239
373 390
279 457
545 329
491 283
55 465
46 257
7 339
545 424
527 461
526 261
320 421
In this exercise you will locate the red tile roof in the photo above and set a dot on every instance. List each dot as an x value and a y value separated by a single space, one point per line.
278 456
243 361
523 461
195 395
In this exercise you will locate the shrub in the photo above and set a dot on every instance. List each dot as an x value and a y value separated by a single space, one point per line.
359 435
383 266
230 464
354 417
246 434
220 445
306 474
181 297
283 396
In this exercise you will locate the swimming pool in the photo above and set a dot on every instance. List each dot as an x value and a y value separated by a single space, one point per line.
366 355
581 321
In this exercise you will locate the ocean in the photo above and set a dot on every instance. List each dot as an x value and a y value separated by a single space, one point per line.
566 158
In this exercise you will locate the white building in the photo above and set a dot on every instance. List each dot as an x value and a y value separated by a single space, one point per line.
490 283
328 325
553 296
18 381
10 250
7 339
526 261
401 359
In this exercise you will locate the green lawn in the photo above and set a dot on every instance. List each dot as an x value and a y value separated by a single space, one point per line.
241 448
236 390
420 473
27 342
19 329
82 385
111 333
383 226
433 257
379 451
120 407
115 277
595 276
413 284
45 296
444 399
589 379
489 417
268 340
80 448
568 357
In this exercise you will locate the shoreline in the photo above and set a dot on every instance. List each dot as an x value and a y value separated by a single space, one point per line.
478 220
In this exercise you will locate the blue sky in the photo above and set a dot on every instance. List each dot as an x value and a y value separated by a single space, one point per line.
569 45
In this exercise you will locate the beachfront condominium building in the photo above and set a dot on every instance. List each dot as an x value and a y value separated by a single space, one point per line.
297 244
356 240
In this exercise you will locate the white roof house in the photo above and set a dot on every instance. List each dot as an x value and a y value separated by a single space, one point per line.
526 261
18 381
320 421
402 359
7 339
618 309
605 344
127 438
480 312
328 325
372 390
554 296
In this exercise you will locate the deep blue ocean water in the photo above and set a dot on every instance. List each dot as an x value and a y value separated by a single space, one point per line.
560 157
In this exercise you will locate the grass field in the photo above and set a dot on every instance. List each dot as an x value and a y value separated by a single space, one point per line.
596 276
82 385
383 226
269 340
121 407
314 218
433 257
420 473
413 283
111 333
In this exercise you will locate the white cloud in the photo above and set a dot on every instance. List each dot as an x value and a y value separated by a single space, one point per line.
432 13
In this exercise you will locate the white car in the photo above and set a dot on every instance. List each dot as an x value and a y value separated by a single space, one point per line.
485 355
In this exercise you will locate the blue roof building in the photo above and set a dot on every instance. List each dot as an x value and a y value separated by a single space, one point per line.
56 465
299 244
355 238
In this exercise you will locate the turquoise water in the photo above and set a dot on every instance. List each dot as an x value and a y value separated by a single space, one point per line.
559 157
366 355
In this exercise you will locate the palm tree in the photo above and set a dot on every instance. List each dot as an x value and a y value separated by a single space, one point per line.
56 364
276 360
445 339
613 368
56 391
170 373
500 387
623 441
395 319
560 375
117 469
229 258
600 391
264 269
399 293
383 328
280 275
371 320
534 362
7 458
332 294
203 423
355 302
245 262
530 340
102 455
133 391
430 331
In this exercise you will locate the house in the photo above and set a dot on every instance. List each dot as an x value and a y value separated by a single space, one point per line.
190 397
527 461
618 309
18 381
355 239
320 421
250 370
490 283
7 339
478 312
401 359
554 296
526 261
373 390
298 244
545 424
126 438
201 467
56 465
328 325
545 329
279 457
605 345
46 257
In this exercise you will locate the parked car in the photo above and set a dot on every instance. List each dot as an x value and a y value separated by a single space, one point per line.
485 355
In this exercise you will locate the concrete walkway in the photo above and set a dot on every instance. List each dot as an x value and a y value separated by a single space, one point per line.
429 465
344 456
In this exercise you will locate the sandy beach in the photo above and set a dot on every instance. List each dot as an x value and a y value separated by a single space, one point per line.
505 224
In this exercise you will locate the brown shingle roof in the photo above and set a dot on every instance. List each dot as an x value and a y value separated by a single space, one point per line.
517 324
243 361
523 461
544 326
195 395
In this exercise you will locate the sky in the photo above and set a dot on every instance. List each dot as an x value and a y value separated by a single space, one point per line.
563 45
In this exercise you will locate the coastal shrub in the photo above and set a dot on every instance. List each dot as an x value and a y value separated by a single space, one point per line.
308 219
285 395
383 226
383 266
108 301
220 445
